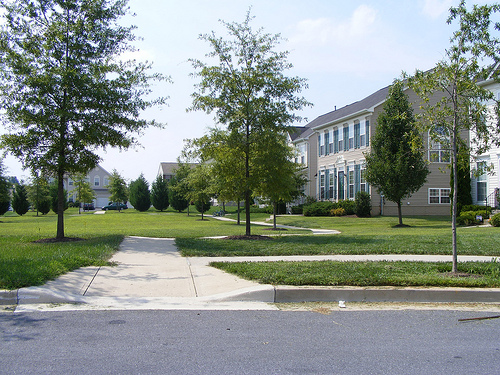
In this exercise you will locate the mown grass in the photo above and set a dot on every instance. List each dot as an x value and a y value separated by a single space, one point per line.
358 236
25 263
332 273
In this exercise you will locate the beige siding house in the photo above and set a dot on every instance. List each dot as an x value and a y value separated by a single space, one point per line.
98 178
332 147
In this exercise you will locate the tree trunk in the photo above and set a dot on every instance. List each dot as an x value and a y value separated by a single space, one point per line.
275 210
400 214
239 213
60 205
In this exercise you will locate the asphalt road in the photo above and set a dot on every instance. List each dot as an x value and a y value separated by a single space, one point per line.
248 342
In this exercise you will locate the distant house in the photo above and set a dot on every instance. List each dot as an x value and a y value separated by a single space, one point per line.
98 178
167 169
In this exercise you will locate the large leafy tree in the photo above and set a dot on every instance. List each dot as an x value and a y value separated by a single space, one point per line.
64 89
178 189
463 107
395 164
159 193
140 197
200 187
248 90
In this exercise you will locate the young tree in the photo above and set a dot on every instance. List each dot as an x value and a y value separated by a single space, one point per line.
178 189
248 91
458 76
84 192
20 203
159 194
199 187
63 87
395 165
117 188
4 191
140 196
39 194
279 177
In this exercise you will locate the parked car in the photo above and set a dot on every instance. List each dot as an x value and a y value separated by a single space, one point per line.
115 206
88 206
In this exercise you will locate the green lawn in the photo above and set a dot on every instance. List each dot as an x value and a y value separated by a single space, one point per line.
25 263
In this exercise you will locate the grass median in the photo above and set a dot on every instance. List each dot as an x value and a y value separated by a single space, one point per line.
400 274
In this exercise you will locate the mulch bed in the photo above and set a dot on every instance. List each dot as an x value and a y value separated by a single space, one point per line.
251 237
57 240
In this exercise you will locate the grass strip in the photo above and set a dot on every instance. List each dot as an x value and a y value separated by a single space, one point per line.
400 273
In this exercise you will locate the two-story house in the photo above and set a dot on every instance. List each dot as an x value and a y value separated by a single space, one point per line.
98 178
332 149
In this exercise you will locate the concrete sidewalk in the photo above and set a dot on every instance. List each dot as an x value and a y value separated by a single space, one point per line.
151 274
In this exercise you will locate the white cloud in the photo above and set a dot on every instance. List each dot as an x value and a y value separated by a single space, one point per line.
436 8
323 31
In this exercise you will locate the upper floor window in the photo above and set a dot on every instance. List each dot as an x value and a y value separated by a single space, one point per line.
106 181
97 181
439 151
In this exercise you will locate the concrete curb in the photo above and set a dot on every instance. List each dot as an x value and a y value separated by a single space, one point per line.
386 294
281 294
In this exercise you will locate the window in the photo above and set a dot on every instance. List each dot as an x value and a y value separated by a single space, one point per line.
331 185
367 132
439 196
341 141
336 141
346 137
327 142
362 136
322 185
70 182
351 184
481 187
97 181
106 181
357 135
351 137
363 185
330 144
438 145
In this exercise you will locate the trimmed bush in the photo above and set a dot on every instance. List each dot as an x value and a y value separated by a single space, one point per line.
470 217
338 212
319 209
348 206
363 204
297 210
495 220
475 207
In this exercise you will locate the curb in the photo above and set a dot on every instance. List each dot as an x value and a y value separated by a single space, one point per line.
385 294
284 294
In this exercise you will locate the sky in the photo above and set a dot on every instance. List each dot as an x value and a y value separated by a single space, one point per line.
346 50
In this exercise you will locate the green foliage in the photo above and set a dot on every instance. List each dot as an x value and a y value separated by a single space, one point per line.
64 87
363 204
54 198
470 217
203 206
250 94
464 196
20 203
395 165
495 220
139 194
297 210
319 209
159 194
117 188
4 192
339 211
178 189
39 194
348 206
84 192
475 207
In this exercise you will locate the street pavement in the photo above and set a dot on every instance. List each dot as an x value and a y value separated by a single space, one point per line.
150 273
